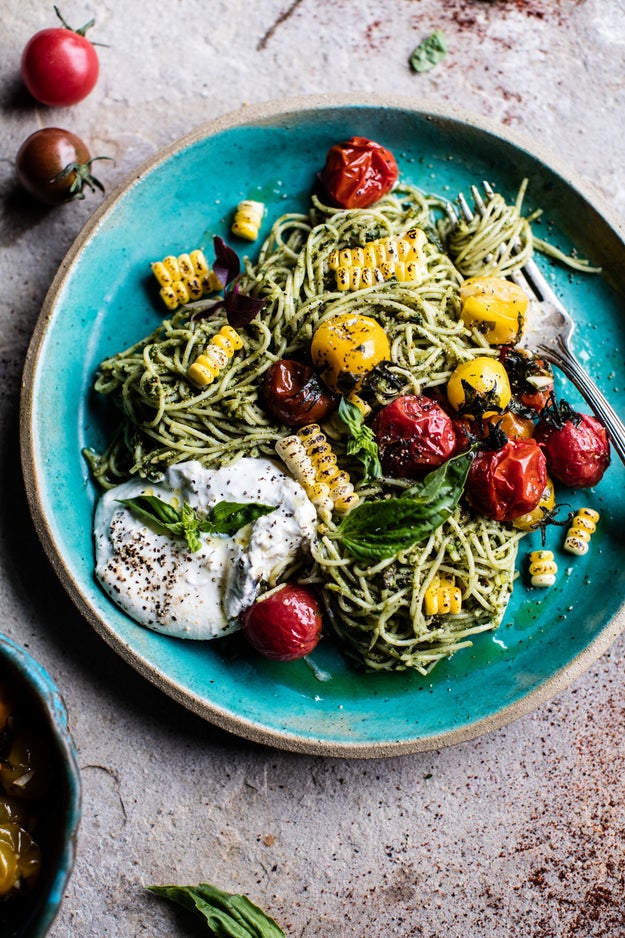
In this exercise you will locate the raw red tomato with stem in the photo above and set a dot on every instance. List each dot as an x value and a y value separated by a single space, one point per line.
54 166
576 446
59 65
358 172
414 435
507 482
285 624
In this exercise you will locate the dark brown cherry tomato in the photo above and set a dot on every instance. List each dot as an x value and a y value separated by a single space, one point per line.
284 625
59 65
358 172
295 395
54 166
414 435
505 483
576 446
531 378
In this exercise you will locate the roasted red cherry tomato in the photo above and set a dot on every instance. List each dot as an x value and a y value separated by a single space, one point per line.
505 483
295 395
59 65
414 435
54 165
284 625
358 172
531 378
576 446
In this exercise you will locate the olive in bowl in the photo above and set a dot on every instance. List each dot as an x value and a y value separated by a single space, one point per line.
39 795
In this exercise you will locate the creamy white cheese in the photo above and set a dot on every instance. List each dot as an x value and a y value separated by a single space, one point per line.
163 585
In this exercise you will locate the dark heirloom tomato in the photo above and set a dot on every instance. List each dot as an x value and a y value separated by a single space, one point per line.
505 483
576 447
54 165
286 624
295 395
414 435
358 172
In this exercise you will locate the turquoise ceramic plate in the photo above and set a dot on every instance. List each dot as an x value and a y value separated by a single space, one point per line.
101 301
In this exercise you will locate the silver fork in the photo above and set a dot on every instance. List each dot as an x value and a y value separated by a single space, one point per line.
549 328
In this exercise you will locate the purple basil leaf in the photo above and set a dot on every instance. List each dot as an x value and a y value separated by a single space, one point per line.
240 307
208 310
227 264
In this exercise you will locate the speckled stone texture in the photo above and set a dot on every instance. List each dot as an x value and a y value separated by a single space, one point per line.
519 833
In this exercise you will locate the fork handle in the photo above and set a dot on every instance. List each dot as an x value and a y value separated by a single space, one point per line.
566 362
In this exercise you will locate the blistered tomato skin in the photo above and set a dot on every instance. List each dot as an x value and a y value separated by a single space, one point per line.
479 388
414 436
358 172
578 452
286 625
346 347
506 483
295 396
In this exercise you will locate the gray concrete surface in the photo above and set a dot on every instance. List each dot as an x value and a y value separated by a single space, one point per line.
518 833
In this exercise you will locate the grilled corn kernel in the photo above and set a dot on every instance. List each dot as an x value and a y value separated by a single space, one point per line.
215 356
381 260
184 278
543 568
326 468
248 219
582 528
442 597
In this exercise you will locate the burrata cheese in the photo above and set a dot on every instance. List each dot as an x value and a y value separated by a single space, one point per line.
163 585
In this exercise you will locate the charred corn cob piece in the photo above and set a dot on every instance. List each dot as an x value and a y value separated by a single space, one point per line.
215 356
543 568
310 460
582 528
248 219
184 278
400 257
442 597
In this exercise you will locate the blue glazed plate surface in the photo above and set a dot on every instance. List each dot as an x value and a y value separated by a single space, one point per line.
101 301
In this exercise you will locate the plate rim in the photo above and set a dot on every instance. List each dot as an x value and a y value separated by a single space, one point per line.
257 114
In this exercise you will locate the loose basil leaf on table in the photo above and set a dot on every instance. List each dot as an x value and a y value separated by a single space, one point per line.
429 52
228 915
377 529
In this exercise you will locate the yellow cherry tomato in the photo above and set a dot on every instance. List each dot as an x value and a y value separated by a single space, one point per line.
531 519
494 306
482 381
346 347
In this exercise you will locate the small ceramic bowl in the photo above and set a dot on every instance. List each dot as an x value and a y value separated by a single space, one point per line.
59 810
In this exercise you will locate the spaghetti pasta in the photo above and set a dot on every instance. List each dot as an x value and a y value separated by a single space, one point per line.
377 608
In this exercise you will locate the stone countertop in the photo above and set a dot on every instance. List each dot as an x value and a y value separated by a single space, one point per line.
516 833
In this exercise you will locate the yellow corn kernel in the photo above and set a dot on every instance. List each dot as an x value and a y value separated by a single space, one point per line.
362 406
248 219
293 454
582 528
326 469
379 261
215 356
442 597
543 568
184 278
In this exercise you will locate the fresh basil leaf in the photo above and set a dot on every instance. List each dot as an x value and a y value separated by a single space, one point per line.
429 52
229 517
377 529
361 443
151 508
228 915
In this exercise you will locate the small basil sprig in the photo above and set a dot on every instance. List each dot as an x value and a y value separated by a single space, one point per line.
185 522
361 441
429 52
228 915
377 529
